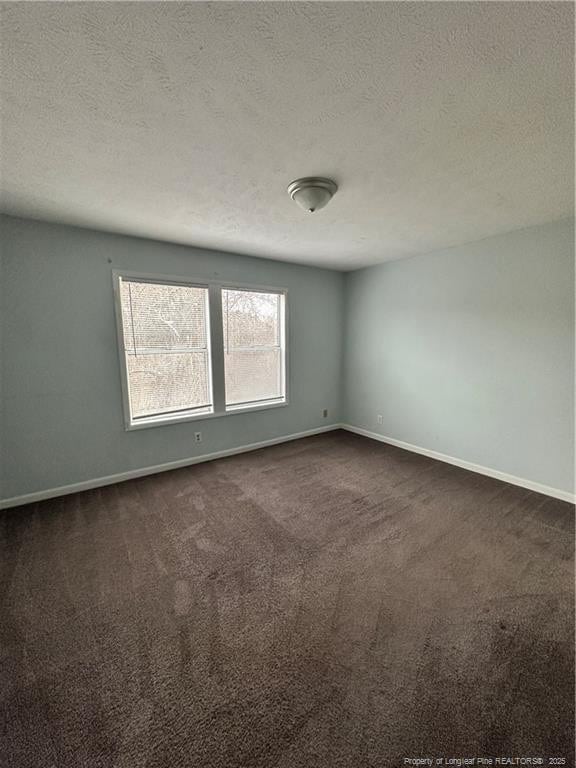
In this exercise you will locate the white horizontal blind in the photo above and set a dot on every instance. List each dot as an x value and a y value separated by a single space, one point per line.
253 353
165 330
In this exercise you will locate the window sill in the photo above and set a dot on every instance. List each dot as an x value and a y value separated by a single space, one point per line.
163 421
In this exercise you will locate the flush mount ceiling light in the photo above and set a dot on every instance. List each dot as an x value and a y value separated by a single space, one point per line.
312 193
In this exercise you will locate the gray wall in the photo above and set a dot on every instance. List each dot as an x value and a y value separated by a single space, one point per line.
470 352
62 420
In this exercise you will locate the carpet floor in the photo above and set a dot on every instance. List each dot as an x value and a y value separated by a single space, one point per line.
330 602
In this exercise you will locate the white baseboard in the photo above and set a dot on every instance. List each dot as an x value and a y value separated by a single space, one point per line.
512 479
87 485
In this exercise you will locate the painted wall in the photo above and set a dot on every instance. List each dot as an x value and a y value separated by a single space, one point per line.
467 351
62 416
470 352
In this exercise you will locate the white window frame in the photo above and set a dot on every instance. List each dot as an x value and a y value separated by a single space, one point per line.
215 347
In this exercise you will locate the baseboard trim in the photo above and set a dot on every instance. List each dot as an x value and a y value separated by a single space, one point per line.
86 485
496 474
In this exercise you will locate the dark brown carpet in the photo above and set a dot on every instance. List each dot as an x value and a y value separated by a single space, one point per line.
323 603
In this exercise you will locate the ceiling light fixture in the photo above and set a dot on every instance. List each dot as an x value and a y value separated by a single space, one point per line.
312 193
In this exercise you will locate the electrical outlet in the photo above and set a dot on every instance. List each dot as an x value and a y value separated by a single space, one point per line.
325 413
379 419
198 437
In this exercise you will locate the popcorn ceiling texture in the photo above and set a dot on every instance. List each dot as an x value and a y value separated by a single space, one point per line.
442 122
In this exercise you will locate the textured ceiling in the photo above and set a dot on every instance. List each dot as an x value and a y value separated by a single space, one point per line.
441 122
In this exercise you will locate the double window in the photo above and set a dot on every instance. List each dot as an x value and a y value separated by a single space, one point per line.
192 350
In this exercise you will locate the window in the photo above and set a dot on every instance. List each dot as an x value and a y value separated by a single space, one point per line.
166 348
253 346
195 351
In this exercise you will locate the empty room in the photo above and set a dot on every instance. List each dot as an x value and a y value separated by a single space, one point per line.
287 384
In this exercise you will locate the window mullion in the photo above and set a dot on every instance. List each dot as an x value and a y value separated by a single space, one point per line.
217 348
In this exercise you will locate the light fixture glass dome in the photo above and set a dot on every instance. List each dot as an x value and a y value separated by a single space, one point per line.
312 193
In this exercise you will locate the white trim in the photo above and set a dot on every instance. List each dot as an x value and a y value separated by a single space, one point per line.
556 493
198 282
216 336
165 419
123 370
87 485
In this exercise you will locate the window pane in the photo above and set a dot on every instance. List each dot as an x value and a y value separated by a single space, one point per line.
166 347
163 316
165 382
253 355
251 319
253 375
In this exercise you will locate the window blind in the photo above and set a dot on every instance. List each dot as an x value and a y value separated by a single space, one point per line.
253 354
165 330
